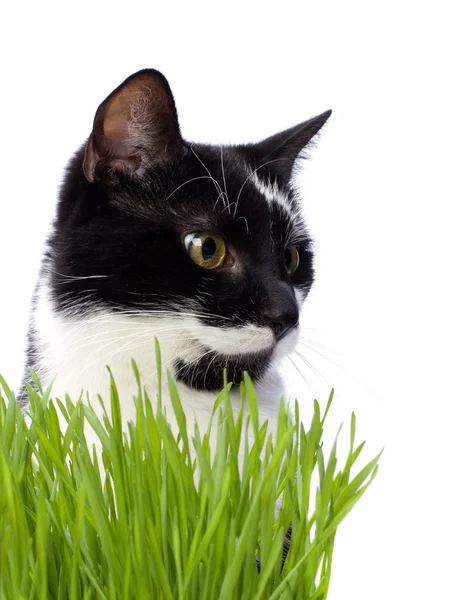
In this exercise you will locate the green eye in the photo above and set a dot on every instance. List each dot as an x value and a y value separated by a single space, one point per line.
292 259
208 250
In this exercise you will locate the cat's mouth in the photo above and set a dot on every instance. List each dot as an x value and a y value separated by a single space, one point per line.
250 348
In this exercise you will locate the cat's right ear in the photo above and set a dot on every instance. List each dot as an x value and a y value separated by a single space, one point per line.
278 153
135 127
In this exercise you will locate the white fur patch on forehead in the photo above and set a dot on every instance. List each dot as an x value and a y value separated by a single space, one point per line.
272 193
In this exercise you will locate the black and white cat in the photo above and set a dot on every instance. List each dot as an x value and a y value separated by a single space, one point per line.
203 247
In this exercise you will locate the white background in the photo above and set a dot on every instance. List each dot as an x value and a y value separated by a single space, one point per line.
381 194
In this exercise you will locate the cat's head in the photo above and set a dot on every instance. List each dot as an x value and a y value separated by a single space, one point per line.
208 241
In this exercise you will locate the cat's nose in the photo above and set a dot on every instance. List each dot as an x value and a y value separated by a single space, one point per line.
282 314
282 323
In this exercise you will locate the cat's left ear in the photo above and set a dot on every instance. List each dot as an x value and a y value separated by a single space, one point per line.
279 152
135 127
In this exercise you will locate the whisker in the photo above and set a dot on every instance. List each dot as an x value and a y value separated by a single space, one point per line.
95 337
311 366
77 278
246 223
215 182
186 183
131 345
223 175
311 343
117 317
324 356
301 374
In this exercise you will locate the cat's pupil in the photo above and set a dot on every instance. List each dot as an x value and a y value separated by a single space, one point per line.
288 257
208 248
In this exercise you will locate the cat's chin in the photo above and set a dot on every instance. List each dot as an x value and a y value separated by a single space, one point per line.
206 371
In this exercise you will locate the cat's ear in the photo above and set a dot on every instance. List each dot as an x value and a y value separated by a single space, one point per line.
279 152
134 127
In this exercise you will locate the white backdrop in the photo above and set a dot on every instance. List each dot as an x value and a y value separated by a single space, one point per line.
381 193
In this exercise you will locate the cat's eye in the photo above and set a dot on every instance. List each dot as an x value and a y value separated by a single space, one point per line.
292 259
208 250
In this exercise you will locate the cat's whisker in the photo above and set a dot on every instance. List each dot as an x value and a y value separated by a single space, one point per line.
75 326
78 277
341 367
167 333
77 299
246 223
301 374
310 365
131 345
224 178
193 376
178 313
212 362
219 197
215 182
188 320
322 355
120 318
188 364
99 335
313 344
99 349
151 309
126 325
186 183
95 337
143 294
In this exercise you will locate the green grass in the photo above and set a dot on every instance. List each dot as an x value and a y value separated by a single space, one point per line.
160 518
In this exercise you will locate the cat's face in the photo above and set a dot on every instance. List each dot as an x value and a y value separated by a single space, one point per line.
210 239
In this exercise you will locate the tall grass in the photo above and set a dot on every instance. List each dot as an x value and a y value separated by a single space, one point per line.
162 517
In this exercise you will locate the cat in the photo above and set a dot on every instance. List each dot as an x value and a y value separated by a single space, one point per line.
203 247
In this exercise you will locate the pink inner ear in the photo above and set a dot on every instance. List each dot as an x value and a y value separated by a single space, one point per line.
116 133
